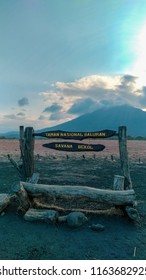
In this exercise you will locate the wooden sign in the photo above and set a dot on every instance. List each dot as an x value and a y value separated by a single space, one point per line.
74 147
76 135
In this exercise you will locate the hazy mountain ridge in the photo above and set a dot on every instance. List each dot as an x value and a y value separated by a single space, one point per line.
108 118
103 118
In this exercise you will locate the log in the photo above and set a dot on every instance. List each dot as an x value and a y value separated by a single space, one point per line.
43 215
22 197
111 197
4 201
118 183
27 151
16 166
124 157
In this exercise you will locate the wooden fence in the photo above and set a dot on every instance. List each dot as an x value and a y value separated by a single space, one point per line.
33 195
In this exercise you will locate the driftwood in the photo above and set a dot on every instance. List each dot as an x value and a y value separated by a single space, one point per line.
43 215
110 197
4 201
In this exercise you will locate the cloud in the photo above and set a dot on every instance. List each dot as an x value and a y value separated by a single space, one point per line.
88 93
42 118
10 116
119 89
56 117
20 114
53 108
89 83
23 101
15 116
83 106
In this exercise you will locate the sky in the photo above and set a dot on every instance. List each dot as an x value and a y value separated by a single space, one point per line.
60 59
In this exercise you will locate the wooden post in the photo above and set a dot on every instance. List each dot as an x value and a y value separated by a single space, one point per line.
22 196
27 151
124 157
118 183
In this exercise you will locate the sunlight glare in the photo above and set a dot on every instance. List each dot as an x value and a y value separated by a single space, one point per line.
139 68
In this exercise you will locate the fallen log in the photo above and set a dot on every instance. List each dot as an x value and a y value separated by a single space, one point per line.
43 215
112 197
4 201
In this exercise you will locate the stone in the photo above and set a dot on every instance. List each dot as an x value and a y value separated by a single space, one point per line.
76 219
97 227
4 201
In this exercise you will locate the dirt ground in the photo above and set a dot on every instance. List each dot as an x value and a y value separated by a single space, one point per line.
121 239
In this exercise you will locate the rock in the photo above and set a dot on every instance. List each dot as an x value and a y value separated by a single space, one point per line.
3 214
132 213
4 201
97 227
76 219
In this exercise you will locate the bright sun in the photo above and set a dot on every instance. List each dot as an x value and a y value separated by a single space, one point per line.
139 67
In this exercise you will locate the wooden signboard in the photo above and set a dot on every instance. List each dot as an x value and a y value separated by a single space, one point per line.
76 135
74 147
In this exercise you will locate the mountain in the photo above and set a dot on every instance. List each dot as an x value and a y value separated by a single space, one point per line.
103 118
108 118
10 134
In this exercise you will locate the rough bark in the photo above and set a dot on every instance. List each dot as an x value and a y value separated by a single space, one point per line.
124 157
22 197
27 151
111 197
43 215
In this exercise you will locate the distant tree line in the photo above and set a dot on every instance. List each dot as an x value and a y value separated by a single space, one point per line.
4 137
136 138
